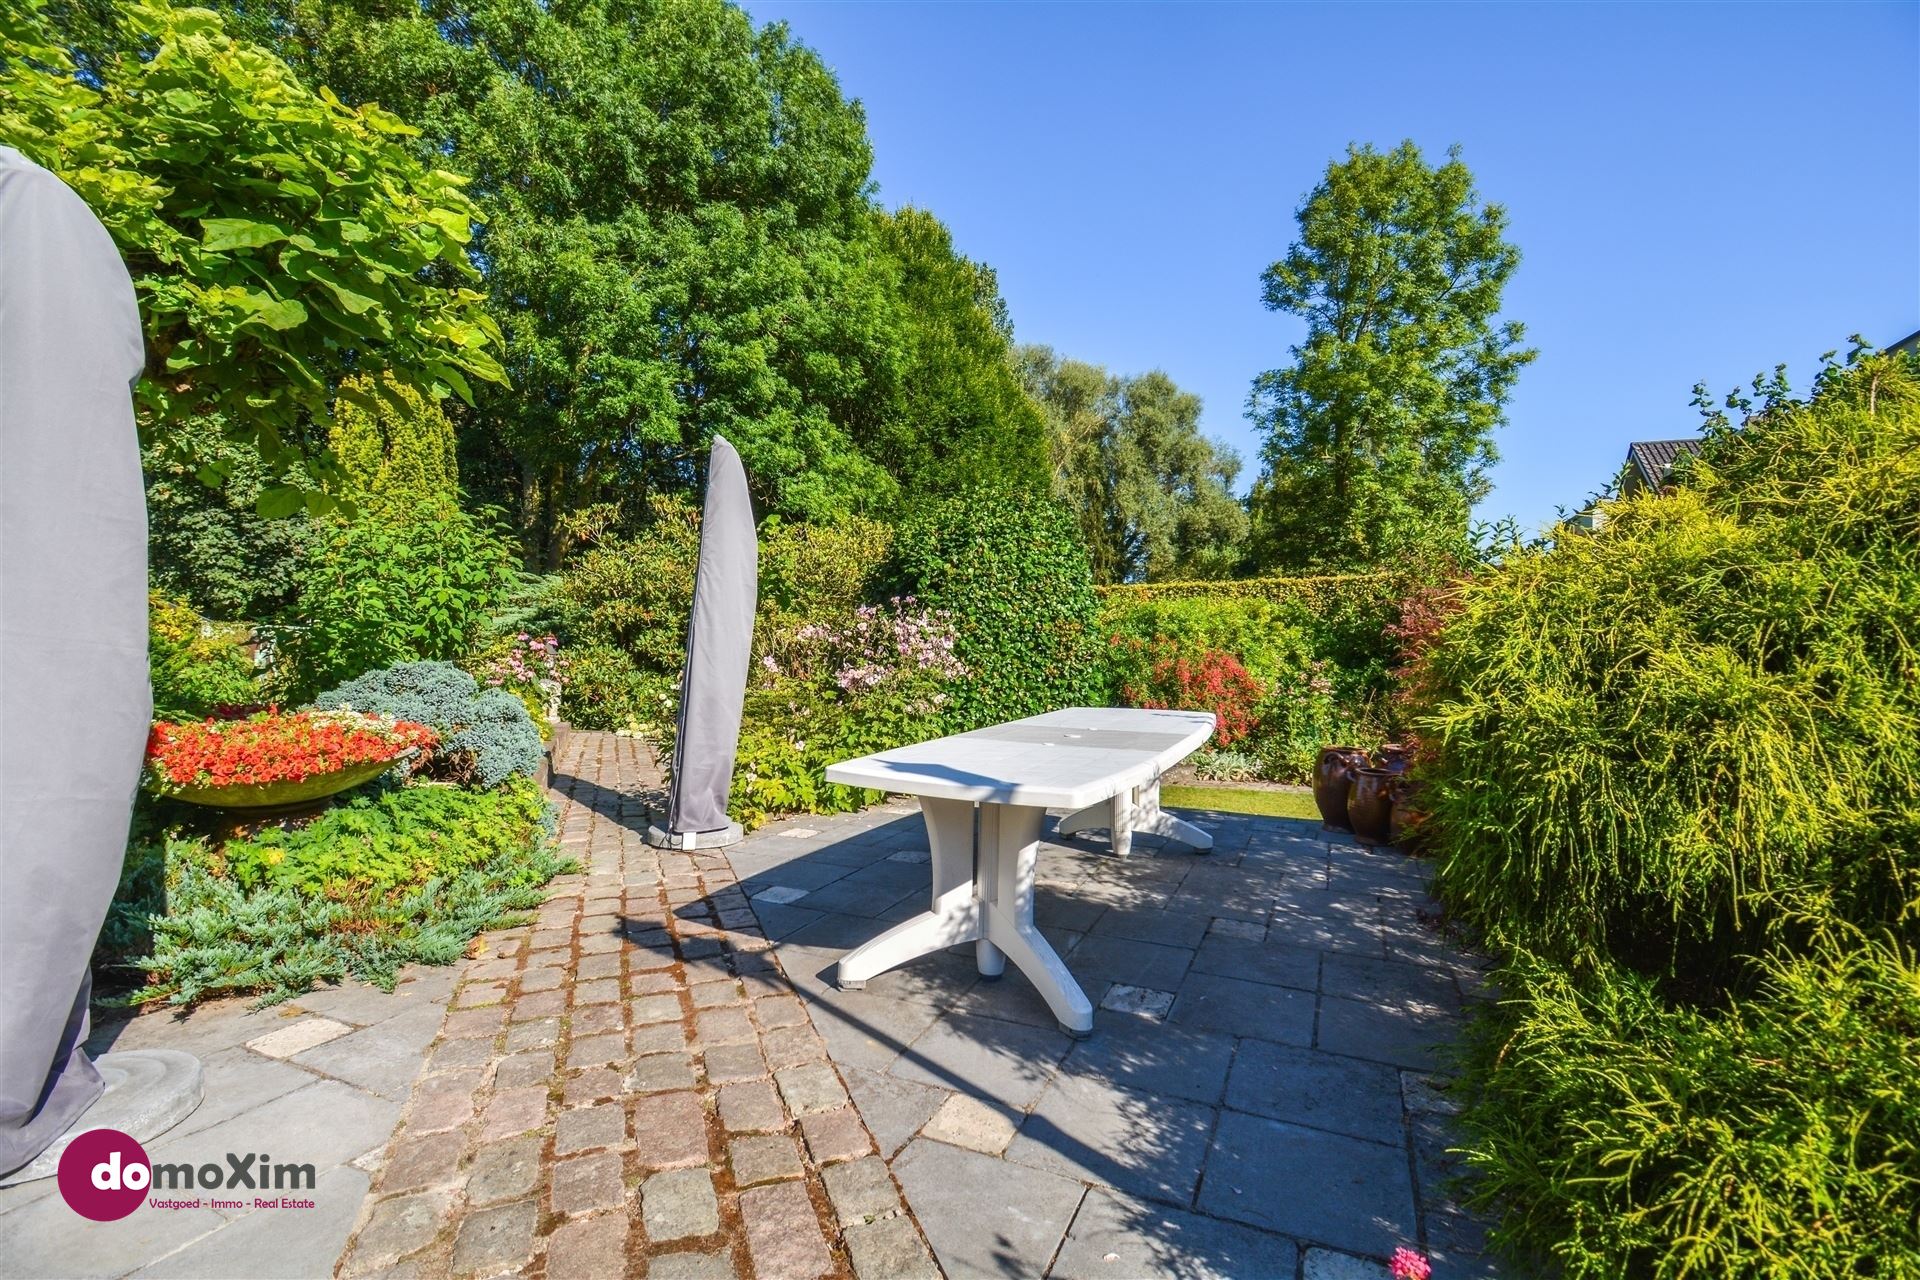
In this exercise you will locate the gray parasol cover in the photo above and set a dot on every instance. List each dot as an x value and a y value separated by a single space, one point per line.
719 650
74 701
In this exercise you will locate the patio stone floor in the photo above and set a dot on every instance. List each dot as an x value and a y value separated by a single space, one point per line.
656 1077
322 1079
1260 1096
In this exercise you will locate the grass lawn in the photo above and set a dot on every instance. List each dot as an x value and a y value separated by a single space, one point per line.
1256 800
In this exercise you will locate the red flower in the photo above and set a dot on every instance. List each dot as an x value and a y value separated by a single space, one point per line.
270 747
1214 682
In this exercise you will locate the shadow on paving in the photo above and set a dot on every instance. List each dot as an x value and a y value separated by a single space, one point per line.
1270 1095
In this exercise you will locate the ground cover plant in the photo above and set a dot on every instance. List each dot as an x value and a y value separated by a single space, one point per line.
1673 768
398 876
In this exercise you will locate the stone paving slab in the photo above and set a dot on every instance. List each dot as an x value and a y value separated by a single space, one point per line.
628 1084
318 1080
1259 1096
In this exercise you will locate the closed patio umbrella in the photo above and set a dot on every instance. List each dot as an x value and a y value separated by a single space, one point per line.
719 649
74 701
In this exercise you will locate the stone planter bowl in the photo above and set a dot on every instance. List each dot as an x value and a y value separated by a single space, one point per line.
282 795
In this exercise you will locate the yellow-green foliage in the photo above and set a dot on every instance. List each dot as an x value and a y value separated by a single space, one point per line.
1674 775
395 448
194 666
279 240
813 571
1652 741
1778 1138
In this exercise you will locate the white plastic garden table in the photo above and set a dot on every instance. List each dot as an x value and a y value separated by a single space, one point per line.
1104 763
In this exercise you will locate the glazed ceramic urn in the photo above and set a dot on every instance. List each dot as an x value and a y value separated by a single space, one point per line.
1332 777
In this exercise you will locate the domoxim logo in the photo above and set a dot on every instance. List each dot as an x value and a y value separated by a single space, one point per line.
104 1175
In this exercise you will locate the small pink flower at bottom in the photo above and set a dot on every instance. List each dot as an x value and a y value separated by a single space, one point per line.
1408 1265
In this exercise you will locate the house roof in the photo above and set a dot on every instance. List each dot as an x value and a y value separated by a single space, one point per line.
1909 343
1654 459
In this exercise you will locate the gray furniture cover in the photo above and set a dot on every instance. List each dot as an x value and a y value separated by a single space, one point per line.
74 701
719 650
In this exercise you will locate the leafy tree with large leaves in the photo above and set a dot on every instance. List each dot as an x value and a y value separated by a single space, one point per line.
278 239
1378 435
1153 497
681 241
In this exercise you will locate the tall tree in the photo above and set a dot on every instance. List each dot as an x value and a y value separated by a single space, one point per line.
1379 434
1153 496
954 411
681 241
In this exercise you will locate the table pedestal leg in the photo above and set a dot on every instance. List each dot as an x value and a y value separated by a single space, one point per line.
1009 843
1137 809
982 893
955 916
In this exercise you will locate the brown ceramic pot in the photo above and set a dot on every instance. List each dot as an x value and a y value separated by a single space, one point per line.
1332 776
1394 757
1370 804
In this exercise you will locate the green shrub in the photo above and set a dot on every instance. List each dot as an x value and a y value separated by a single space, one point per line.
605 690
1258 632
1778 1138
872 678
814 571
1309 700
1342 618
211 936
209 545
1301 713
1652 742
374 593
488 733
1013 573
396 450
635 594
194 667
790 733
395 837
1673 772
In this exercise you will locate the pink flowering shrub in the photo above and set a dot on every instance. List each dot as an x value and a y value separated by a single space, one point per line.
1409 1265
879 676
879 645
532 668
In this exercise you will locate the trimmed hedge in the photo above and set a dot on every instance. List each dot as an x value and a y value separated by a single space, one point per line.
1014 574
1317 591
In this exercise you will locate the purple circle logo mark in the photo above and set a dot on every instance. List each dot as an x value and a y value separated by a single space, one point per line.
104 1175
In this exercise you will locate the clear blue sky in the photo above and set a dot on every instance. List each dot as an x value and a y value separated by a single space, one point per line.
1697 190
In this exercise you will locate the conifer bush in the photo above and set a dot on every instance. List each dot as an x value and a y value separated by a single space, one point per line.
1659 742
487 731
1625 1134
1673 768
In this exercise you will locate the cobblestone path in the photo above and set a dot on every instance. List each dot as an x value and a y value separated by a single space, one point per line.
628 1085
